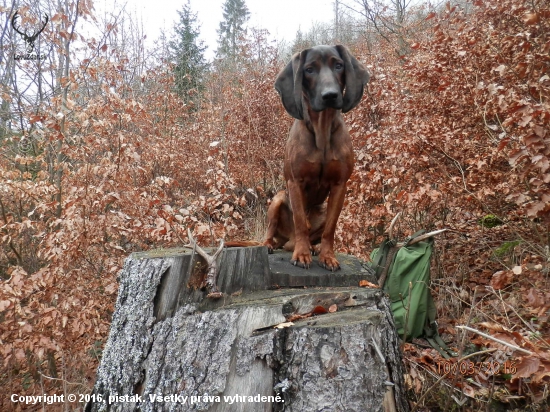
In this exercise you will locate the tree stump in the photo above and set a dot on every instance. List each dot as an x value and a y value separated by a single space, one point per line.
281 338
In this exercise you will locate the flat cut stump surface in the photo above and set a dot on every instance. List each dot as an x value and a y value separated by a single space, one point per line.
284 274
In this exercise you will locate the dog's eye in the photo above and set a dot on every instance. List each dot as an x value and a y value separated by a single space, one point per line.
339 66
309 70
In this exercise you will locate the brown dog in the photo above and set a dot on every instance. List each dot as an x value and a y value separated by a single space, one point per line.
315 87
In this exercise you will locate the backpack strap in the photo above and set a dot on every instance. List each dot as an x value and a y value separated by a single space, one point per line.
380 261
387 266
432 336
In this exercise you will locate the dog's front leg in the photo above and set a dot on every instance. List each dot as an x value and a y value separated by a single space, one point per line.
327 259
302 248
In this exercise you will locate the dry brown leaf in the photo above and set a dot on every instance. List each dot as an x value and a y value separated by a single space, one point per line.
501 279
367 284
468 391
526 366
111 288
318 310
495 327
539 377
294 317
535 298
513 338
4 304
531 18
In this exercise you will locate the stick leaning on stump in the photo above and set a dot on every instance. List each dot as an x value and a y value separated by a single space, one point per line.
280 338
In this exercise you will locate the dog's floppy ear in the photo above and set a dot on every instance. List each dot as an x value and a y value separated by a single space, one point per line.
289 85
356 78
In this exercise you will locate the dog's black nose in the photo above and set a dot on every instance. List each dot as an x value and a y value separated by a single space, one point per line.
329 95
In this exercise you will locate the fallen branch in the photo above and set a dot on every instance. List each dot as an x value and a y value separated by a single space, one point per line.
495 339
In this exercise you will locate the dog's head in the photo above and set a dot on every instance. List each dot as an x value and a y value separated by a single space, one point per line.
321 77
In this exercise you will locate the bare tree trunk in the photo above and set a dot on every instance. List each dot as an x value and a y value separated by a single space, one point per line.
64 70
309 339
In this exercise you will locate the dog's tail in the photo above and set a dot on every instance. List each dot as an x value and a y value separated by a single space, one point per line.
242 243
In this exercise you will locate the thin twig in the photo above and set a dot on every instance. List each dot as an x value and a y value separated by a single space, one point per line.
495 339
58 379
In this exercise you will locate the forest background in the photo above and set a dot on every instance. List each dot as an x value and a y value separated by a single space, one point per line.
110 147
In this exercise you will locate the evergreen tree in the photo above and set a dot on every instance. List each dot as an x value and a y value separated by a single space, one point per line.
235 14
187 53
300 42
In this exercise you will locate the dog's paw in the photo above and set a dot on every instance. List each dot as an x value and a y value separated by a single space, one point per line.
303 265
302 260
315 250
329 263
270 246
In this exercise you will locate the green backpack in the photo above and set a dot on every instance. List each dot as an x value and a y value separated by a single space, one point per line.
407 282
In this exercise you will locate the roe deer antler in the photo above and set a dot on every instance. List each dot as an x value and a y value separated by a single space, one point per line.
211 261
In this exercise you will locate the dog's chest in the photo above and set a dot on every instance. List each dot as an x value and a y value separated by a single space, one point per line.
318 166
321 169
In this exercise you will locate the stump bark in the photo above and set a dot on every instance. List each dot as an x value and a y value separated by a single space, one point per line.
280 339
